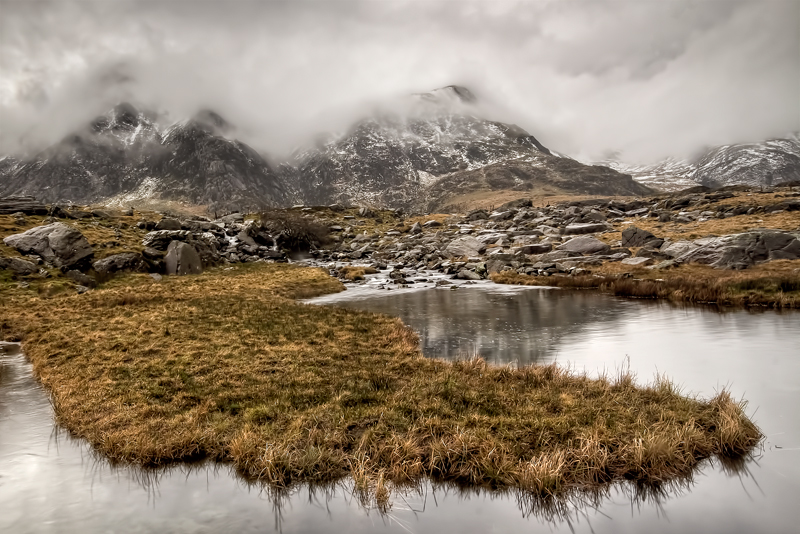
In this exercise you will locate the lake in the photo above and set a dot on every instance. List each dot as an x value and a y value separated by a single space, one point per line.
50 482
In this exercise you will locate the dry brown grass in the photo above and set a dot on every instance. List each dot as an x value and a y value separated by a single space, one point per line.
774 284
354 272
225 365
711 227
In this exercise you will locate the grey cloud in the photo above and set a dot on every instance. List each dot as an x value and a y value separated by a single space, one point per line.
648 79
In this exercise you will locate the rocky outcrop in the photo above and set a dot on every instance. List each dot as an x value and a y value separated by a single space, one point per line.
739 251
25 205
56 243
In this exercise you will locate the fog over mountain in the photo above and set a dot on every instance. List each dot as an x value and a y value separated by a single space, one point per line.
646 80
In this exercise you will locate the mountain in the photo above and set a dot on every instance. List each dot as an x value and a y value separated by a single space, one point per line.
419 153
761 164
124 156
437 142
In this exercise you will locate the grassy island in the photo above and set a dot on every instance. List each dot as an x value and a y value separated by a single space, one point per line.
226 365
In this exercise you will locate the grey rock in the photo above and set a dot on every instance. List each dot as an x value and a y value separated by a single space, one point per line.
432 224
160 239
638 261
636 237
232 218
739 251
57 243
182 259
18 265
678 248
168 224
124 262
80 278
416 228
537 248
466 274
584 245
585 228
27 205
465 246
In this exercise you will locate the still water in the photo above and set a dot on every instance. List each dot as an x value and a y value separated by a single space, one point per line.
50 482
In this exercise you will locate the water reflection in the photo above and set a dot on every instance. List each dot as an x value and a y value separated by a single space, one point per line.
51 482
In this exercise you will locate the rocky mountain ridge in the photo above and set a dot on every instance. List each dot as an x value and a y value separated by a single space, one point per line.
763 164
125 155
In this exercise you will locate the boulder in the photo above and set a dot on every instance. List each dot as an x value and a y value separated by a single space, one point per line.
18 265
584 245
536 248
636 237
81 279
678 248
124 262
416 228
585 228
160 239
637 262
466 274
466 246
57 243
181 259
168 224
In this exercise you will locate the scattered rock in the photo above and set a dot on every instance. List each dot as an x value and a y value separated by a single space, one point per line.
81 279
585 228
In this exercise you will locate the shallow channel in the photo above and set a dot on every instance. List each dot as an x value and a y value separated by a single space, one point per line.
50 482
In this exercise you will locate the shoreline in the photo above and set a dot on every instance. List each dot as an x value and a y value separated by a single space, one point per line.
226 366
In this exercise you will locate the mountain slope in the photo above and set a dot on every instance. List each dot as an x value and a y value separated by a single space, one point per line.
761 164
396 158
124 156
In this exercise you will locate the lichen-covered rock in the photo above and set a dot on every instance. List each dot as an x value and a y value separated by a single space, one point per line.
160 239
56 243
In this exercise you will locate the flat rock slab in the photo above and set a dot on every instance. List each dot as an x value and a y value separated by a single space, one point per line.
585 245
57 243
639 261
585 228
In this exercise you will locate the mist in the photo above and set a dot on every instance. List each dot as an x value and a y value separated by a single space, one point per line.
646 80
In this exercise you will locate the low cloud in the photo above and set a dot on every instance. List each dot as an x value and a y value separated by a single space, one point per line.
645 79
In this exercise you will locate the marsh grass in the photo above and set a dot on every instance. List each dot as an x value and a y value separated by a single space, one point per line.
356 272
226 366
775 284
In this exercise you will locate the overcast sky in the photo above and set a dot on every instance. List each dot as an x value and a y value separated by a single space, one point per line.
646 78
